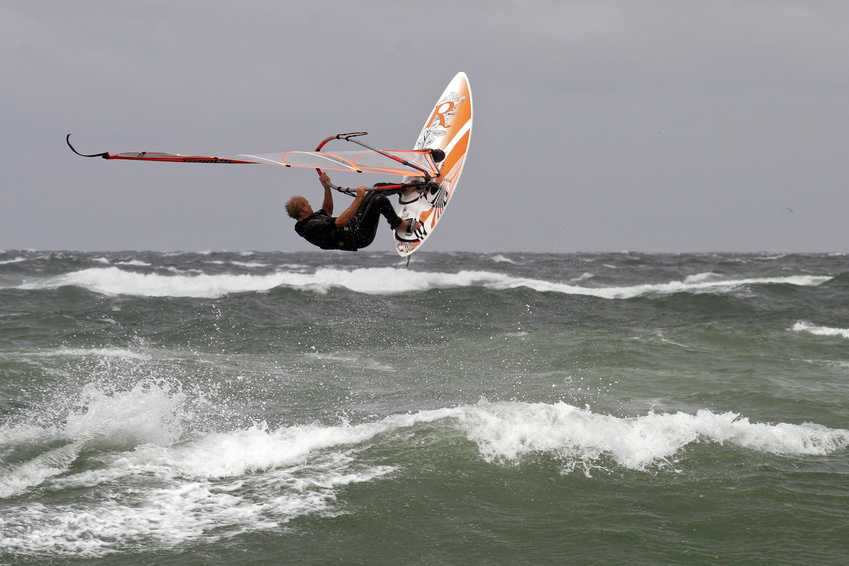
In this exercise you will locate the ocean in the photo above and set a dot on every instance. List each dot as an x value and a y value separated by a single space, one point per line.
513 408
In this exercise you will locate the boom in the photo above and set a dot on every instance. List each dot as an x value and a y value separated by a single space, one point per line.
406 163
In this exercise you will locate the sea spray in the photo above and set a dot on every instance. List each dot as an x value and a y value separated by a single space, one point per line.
326 408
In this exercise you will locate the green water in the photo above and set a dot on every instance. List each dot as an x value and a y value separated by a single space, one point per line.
231 408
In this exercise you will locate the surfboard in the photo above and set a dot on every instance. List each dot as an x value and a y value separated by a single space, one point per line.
447 128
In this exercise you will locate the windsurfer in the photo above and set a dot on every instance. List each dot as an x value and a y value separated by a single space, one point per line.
353 229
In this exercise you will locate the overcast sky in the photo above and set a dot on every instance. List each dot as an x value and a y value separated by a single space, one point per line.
655 126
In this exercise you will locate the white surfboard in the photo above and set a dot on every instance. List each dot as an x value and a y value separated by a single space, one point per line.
448 128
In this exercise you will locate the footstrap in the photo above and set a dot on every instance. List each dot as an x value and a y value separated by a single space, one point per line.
411 226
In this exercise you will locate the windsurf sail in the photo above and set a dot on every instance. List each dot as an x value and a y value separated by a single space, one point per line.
406 163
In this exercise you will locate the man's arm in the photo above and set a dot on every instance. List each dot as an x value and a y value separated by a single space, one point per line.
327 205
349 213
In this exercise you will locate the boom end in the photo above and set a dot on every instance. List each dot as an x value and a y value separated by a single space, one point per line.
104 155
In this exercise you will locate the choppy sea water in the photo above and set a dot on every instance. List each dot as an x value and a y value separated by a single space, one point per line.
320 408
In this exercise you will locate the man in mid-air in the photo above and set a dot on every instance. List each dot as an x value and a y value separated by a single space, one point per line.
353 229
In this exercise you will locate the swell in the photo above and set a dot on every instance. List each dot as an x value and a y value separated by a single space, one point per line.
114 280
143 483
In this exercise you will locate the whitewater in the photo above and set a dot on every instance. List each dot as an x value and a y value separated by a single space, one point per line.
510 408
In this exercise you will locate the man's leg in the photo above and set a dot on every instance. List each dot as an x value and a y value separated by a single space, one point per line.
368 217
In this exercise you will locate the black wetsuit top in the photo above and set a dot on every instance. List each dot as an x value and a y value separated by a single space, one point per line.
320 228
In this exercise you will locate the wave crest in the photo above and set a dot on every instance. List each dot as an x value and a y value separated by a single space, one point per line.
218 485
381 280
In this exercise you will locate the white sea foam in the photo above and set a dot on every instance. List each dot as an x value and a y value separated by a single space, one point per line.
386 280
237 263
217 485
133 263
803 326
708 276
580 438
249 263
148 413
115 281
19 478
151 489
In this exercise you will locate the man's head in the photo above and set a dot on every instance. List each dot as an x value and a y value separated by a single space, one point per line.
297 206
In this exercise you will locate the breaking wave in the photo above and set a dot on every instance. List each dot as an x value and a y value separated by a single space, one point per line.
155 484
386 280
820 330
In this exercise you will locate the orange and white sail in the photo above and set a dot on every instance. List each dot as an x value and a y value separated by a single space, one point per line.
357 161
